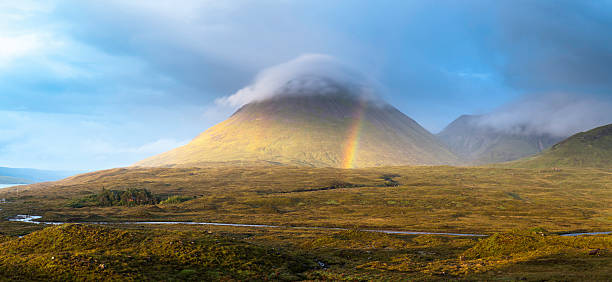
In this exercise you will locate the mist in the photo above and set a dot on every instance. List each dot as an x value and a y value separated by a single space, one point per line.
558 115
309 74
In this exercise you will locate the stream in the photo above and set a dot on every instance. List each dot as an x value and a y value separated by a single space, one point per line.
34 218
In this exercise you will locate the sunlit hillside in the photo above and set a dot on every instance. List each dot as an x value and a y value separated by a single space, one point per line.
306 206
592 149
314 130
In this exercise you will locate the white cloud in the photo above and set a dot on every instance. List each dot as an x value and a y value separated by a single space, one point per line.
310 74
559 115
14 47
69 141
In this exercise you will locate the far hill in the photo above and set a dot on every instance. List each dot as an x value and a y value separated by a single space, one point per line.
332 130
590 149
13 180
476 143
27 175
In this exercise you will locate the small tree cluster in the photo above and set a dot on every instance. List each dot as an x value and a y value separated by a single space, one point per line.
129 197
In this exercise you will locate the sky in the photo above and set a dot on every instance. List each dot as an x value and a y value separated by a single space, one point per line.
88 85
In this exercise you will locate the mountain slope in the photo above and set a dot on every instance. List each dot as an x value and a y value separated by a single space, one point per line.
479 144
312 130
592 149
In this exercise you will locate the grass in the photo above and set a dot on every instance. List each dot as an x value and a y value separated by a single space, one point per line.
185 252
489 200
173 200
592 148
451 199
81 252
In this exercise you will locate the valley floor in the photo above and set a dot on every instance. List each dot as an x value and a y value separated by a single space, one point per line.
523 211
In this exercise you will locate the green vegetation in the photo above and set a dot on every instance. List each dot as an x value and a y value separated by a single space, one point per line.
81 252
484 200
129 198
585 258
109 198
184 252
172 200
447 199
586 149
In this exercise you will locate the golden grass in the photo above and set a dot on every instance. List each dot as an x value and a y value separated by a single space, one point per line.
446 199
426 199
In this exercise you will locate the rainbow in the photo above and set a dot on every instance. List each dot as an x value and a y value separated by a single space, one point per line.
352 140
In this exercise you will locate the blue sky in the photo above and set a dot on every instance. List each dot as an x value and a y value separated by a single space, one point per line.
100 84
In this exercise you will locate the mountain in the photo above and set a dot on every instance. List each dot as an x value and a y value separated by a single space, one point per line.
27 175
592 149
476 143
14 180
335 130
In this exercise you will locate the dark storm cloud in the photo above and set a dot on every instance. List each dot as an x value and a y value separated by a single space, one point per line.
556 45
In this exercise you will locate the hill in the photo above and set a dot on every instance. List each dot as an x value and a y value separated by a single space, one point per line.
333 130
592 149
27 175
477 144
13 180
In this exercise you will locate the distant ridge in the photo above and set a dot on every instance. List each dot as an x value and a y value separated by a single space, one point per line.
14 180
478 144
27 175
333 130
590 149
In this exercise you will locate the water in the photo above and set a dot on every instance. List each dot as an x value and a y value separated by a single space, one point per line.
26 218
587 233
8 185
35 218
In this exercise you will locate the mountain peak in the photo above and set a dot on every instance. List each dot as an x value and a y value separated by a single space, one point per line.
321 130
479 143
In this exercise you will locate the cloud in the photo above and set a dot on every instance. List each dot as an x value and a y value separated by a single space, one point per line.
77 141
554 45
150 70
211 46
558 115
14 47
310 74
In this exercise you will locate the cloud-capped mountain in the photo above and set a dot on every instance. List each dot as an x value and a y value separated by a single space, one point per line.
475 142
333 129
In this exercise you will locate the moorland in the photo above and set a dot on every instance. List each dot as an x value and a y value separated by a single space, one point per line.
522 212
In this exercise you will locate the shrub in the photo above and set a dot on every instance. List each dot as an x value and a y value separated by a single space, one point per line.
176 200
109 198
